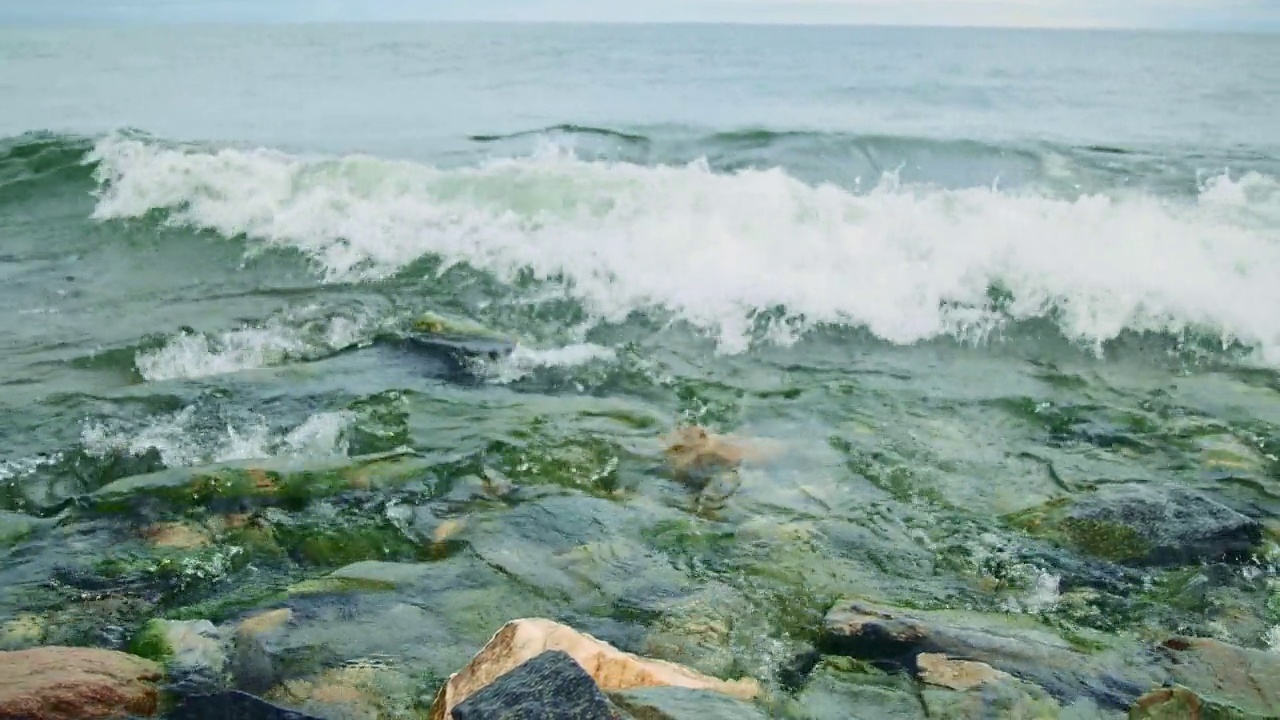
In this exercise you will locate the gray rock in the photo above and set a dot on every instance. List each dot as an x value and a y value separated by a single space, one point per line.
551 686
1145 524
1015 645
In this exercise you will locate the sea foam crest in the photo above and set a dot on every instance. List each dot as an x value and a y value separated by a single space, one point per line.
907 262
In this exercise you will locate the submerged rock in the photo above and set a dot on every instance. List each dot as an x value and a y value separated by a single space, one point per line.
1225 678
1016 646
673 703
940 670
1140 524
268 481
64 683
611 669
232 704
192 650
550 685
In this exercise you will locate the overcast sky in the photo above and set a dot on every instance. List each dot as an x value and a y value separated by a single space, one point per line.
1183 14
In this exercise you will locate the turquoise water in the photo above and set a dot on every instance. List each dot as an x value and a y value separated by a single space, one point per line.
950 274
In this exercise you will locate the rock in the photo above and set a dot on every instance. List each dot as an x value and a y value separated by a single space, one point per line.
176 536
612 669
1015 645
673 703
64 683
15 527
23 631
265 622
842 688
550 685
1143 524
361 690
363 576
283 480
1175 703
232 704
192 651
1224 677
940 670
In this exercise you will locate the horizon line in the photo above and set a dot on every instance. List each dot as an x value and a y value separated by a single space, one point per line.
1266 29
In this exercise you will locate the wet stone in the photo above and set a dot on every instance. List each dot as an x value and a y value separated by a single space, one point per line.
1225 677
1018 646
551 685
233 705
1146 525
674 703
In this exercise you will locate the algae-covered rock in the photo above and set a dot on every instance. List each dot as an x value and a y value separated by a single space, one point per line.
271 481
193 651
1139 524
842 688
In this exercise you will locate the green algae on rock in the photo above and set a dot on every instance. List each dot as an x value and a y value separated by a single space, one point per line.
287 481
1141 524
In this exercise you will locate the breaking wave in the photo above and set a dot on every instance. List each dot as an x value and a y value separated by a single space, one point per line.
720 250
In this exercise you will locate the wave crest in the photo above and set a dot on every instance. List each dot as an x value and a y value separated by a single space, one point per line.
907 261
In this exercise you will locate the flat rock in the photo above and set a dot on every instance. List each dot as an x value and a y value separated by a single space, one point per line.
65 683
610 668
942 671
1014 645
549 686
672 703
1224 676
1146 525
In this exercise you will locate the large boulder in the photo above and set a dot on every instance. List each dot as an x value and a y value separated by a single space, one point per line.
66 683
1145 524
612 670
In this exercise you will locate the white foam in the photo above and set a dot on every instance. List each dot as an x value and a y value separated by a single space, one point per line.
907 262
182 442
524 360
193 355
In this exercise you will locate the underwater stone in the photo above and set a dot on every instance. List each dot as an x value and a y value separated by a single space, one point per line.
1226 678
1140 524
549 686
671 703
1017 646
233 705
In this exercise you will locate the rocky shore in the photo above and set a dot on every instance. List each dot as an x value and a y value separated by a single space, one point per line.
386 586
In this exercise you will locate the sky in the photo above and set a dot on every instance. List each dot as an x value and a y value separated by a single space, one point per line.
1172 14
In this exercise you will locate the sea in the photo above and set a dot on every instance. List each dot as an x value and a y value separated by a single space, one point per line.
945 274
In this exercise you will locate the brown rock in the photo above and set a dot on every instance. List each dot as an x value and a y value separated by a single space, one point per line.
693 452
1171 703
64 683
176 536
612 669
940 670
1219 673
264 623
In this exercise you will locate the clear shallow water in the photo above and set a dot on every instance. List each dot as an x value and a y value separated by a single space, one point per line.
953 274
